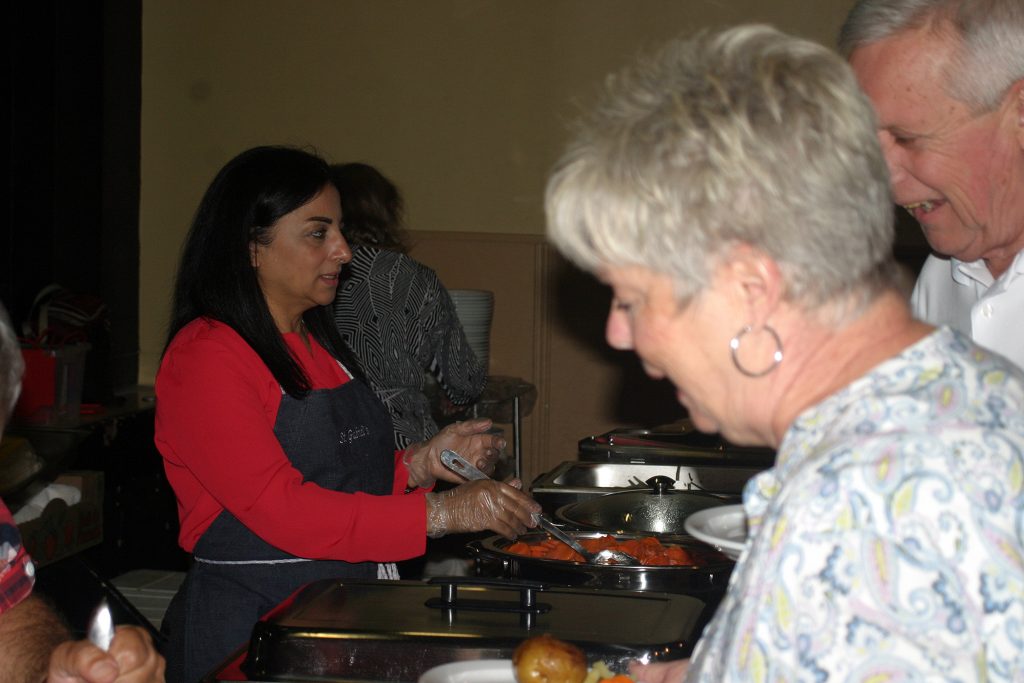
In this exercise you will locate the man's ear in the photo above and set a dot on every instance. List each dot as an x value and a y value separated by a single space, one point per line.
755 277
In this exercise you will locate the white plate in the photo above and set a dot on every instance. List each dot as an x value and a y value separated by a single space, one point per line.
480 671
724 527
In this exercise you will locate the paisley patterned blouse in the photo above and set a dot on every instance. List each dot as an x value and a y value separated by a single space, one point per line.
886 543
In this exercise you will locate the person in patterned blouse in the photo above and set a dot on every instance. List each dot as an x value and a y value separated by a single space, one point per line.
393 311
35 644
732 191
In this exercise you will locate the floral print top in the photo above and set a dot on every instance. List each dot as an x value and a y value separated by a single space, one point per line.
886 543
17 573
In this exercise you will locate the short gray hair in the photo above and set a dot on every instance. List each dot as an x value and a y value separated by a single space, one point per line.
989 58
740 136
11 367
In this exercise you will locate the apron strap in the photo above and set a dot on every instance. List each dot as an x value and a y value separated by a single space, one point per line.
388 570
289 560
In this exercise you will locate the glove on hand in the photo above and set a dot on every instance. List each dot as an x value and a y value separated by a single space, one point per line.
480 505
469 439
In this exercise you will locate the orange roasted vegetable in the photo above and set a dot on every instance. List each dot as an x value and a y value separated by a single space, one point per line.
648 551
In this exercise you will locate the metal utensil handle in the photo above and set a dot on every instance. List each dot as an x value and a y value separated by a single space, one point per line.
456 463
101 626
553 529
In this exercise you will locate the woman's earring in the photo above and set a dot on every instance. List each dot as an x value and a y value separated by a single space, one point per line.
734 348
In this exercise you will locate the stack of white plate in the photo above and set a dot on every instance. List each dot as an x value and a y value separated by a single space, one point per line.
475 308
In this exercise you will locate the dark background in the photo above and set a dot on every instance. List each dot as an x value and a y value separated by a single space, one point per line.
72 168
72 163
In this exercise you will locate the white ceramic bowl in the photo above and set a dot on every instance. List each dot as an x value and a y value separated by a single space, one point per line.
480 671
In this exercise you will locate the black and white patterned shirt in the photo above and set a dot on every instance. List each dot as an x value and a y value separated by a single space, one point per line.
399 321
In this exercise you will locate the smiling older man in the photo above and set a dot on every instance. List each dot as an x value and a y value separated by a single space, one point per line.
946 78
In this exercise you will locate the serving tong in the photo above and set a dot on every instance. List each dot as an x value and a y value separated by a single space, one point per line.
456 463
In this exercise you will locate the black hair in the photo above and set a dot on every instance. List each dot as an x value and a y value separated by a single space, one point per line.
372 209
216 278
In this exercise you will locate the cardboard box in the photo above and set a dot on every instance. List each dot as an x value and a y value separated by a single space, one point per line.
64 530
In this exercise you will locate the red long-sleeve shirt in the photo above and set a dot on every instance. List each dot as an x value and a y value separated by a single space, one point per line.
215 412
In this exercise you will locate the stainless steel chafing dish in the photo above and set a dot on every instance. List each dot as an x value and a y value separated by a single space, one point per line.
395 630
705 579
659 508
626 459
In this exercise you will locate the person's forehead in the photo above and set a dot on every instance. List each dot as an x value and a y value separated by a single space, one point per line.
904 71
626 276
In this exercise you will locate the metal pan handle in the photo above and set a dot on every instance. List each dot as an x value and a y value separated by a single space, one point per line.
527 606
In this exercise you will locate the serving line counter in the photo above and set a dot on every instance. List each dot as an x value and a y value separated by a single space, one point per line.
373 631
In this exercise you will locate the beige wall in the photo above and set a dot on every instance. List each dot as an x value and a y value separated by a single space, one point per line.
464 103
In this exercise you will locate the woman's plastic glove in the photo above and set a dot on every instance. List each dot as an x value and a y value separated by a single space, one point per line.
469 439
481 505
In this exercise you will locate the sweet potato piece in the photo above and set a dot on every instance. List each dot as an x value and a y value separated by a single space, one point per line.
648 550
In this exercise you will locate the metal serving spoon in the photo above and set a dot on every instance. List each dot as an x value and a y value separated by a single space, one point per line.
101 626
606 556
456 463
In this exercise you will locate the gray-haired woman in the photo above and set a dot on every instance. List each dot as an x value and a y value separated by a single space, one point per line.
732 193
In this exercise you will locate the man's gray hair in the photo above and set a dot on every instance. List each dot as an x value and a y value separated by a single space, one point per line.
989 35
742 136
11 367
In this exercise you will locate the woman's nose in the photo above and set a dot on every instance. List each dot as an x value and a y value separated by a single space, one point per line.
618 330
341 252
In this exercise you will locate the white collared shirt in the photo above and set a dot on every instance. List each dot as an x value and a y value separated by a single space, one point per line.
965 297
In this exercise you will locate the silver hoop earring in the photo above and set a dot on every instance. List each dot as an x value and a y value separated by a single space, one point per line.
734 347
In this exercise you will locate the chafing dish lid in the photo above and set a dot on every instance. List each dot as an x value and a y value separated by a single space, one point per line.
657 509
395 630
676 443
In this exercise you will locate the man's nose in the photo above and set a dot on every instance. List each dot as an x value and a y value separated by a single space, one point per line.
895 158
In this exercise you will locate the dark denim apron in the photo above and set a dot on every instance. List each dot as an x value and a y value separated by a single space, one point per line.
337 438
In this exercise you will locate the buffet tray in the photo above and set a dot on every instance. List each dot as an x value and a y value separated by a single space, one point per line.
396 630
705 579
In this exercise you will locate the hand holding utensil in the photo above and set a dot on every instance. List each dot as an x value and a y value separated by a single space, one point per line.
456 463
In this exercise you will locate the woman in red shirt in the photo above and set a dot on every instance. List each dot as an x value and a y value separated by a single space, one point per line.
280 457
